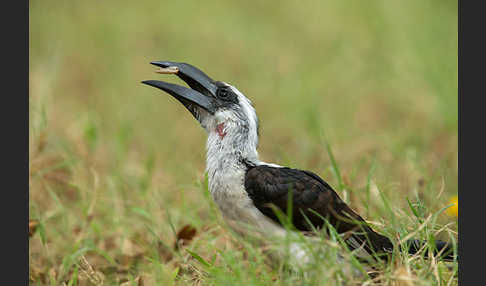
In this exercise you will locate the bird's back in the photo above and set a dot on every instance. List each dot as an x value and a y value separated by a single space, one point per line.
312 202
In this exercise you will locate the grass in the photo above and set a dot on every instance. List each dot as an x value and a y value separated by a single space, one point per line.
362 93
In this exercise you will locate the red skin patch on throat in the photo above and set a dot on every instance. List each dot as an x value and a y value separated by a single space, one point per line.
220 130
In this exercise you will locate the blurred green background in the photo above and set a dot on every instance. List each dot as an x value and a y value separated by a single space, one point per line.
108 155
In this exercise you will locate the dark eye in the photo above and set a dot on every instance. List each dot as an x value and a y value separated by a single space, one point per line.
223 92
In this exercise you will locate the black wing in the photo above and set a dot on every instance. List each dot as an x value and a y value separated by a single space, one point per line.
268 186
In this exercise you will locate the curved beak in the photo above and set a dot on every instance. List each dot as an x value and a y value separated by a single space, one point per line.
201 94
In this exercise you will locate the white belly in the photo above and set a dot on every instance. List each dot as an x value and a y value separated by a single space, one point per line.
236 206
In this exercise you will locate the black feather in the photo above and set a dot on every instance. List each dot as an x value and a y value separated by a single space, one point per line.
313 198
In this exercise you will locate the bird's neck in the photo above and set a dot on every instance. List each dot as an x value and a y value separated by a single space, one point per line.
230 147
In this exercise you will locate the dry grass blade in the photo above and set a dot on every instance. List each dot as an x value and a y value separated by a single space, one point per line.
95 277
414 233
404 277
137 281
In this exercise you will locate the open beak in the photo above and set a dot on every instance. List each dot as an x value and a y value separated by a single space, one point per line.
201 94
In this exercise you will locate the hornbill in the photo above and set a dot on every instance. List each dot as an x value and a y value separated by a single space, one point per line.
248 190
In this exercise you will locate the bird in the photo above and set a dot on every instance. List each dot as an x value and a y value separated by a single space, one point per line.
249 191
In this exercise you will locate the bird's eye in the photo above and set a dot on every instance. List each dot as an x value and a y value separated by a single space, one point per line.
223 92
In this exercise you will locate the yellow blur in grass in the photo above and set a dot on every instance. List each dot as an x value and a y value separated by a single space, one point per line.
454 209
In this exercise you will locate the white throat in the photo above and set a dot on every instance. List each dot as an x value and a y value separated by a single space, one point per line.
232 139
228 146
